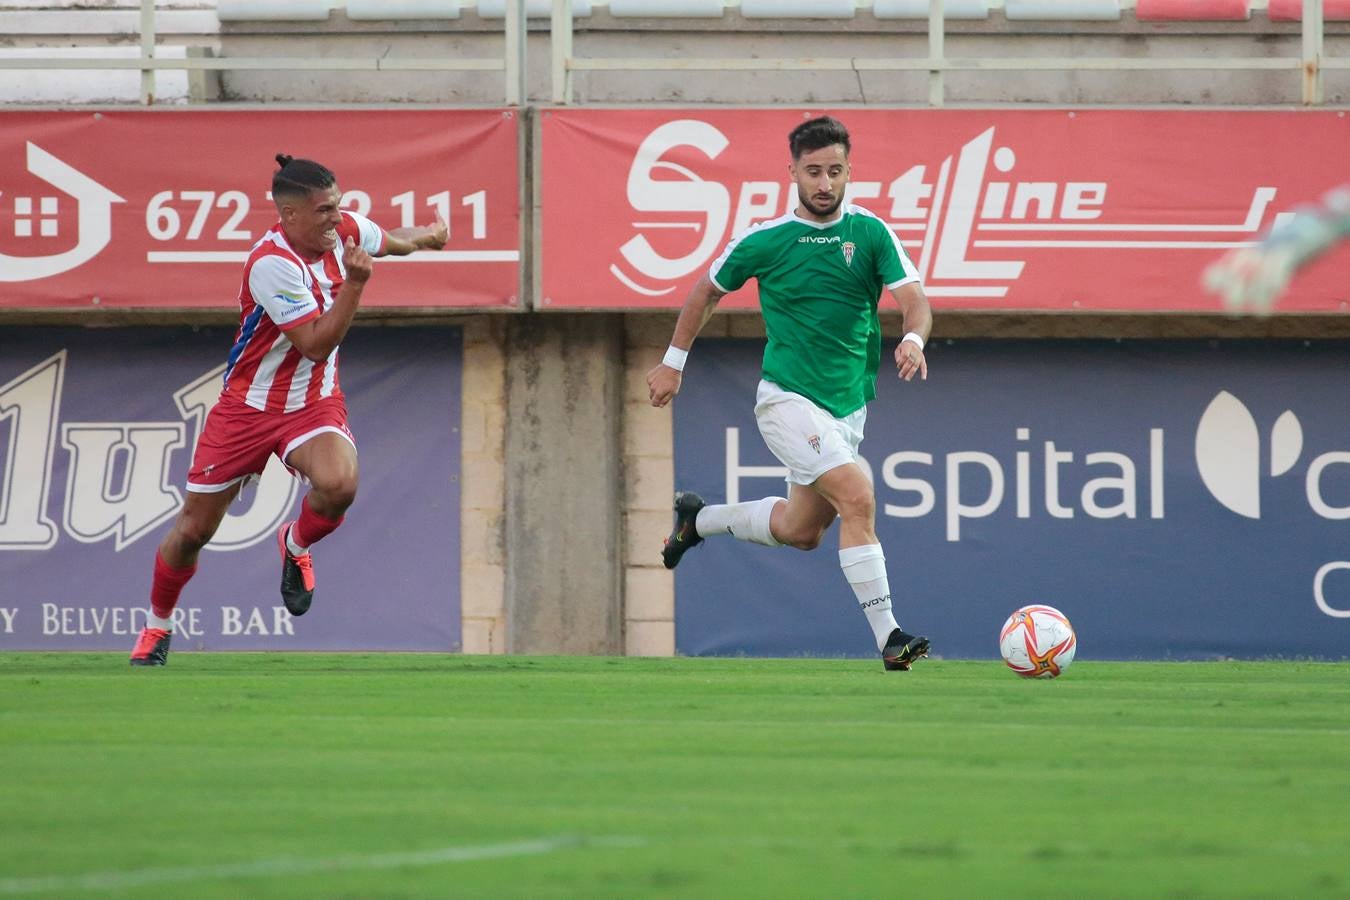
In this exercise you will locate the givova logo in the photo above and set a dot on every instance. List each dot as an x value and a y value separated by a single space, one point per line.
1228 454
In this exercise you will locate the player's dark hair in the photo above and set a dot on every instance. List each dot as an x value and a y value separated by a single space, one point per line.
297 177
817 134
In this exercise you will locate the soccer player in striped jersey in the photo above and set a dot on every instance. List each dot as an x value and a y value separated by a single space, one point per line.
301 287
821 270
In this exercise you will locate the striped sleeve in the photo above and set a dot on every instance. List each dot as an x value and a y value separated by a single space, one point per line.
369 235
278 286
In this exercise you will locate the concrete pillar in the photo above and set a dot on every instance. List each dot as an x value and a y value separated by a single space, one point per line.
649 588
564 484
482 547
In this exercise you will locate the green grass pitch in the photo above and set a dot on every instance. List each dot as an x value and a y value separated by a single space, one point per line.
388 776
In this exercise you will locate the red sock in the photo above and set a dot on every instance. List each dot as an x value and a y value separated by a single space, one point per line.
311 527
167 585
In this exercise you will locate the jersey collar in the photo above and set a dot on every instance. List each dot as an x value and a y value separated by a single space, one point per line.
843 207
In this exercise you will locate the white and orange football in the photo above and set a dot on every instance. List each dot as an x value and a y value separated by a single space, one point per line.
1037 641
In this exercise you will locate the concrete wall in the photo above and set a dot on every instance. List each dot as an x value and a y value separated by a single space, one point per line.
483 555
110 26
602 35
564 484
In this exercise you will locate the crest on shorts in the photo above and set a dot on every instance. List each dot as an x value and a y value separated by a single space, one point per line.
814 441
848 248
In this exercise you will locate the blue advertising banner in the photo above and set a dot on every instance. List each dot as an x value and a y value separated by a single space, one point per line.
1176 499
97 428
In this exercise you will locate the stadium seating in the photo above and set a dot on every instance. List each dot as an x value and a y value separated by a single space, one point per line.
376 10
918 9
496 9
797 9
1192 10
273 10
83 17
238 28
1096 10
1292 10
676 8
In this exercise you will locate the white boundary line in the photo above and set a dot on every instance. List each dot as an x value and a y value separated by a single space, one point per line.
110 881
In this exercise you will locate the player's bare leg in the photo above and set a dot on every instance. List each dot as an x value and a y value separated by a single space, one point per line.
328 461
175 564
197 522
849 491
802 520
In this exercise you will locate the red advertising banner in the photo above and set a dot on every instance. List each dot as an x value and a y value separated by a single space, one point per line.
1099 210
158 209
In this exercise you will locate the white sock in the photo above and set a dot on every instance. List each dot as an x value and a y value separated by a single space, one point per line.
294 548
154 621
747 521
865 569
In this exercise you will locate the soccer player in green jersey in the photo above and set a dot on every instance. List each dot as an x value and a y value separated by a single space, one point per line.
821 270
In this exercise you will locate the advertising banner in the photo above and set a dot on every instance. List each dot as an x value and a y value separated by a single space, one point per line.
1100 210
1176 500
159 208
97 428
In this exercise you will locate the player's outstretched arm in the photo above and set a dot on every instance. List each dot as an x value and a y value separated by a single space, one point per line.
1251 279
663 381
403 241
909 355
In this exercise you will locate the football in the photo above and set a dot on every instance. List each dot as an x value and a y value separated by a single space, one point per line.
1037 642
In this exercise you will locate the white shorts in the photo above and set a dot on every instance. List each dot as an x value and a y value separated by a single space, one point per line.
804 437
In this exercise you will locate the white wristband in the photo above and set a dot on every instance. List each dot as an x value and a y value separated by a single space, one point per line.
675 358
913 338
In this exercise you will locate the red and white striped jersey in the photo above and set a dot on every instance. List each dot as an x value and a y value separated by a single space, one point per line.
280 290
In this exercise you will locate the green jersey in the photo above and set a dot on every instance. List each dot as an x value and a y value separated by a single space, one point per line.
819 283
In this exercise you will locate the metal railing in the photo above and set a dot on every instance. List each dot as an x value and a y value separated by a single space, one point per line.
1310 63
511 63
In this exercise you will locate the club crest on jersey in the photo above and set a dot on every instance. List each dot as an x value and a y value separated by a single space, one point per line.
848 247
814 441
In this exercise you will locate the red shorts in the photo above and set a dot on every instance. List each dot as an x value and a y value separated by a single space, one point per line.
237 440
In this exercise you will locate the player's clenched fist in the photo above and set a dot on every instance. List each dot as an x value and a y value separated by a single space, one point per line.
910 361
357 262
438 233
663 383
